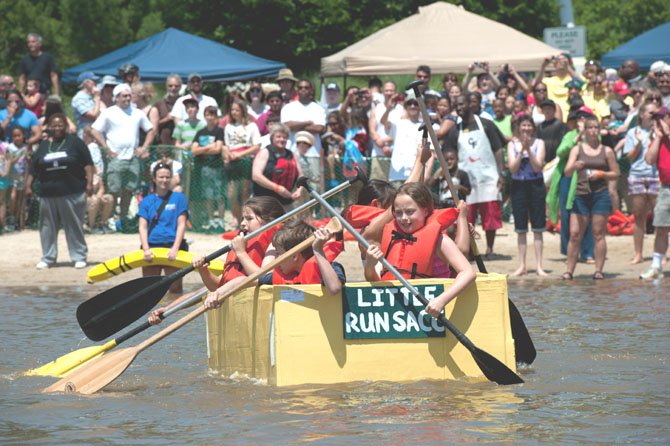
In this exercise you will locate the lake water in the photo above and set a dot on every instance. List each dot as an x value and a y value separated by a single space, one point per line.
601 376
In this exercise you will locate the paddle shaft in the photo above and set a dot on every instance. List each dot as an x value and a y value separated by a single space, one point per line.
164 283
525 350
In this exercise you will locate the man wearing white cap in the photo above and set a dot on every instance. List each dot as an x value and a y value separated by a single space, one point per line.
332 98
118 129
106 87
86 103
195 88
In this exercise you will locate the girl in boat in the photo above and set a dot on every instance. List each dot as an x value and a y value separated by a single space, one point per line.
245 257
416 226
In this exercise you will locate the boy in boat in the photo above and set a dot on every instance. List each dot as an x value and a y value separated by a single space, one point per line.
314 265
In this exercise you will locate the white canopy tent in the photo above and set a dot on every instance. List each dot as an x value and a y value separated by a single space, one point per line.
443 36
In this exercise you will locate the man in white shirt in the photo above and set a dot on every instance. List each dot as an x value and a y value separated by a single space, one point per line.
195 88
118 129
305 115
382 141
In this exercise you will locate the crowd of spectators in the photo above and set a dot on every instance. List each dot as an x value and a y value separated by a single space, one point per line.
589 142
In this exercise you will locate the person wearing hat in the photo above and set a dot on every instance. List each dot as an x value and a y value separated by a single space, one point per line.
118 129
561 187
195 91
332 102
86 104
129 73
286 82
106 87
658 155
551 130
303 142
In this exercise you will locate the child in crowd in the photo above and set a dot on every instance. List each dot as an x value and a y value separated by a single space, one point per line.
33 99
312 266
460 179
404 241
20 157
245 257
164 154
185 130
304 142
5 180
100 203
208 167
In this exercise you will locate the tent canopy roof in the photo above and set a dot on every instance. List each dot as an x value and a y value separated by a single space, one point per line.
444 36
646 48
175 51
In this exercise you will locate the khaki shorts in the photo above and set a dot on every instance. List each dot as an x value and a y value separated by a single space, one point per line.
662 209
123 174
379 168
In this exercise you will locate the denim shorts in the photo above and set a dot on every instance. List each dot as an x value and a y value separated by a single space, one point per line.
593 203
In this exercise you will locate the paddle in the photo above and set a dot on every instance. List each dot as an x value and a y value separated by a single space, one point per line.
114 309
492 368
63 365
523 345
98 373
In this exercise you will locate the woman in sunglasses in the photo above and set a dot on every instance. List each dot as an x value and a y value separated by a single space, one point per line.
256 99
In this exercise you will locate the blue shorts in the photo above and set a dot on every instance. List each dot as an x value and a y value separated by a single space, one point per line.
5 182
593 203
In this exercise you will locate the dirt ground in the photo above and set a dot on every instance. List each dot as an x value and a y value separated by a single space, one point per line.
22 251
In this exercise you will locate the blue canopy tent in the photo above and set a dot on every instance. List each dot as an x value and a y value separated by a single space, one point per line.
174 51
646 48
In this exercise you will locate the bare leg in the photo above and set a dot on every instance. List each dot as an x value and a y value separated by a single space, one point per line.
233 187
538 244
599 226
640 210
577 227
126 195
522 245
490 238
176 286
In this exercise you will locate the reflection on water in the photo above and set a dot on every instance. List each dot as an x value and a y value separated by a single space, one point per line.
600 376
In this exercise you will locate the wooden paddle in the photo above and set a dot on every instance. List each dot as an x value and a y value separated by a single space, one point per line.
492 368
114 309
98 373
63 365
524 348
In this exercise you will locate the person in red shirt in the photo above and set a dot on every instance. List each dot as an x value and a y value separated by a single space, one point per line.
659 155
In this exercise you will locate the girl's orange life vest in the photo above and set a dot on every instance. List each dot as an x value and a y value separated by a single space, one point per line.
361 216
309 273
256 248
412 254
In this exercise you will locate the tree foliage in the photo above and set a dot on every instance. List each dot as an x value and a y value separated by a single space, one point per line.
297 32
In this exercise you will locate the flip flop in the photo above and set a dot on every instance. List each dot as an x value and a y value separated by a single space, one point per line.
566 276
598 275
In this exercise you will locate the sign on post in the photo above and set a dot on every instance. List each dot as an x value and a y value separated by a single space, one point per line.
572 40
383 312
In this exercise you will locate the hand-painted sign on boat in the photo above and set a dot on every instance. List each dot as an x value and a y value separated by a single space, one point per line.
388 312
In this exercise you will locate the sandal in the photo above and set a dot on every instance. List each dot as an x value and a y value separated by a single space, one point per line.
598 275
566 276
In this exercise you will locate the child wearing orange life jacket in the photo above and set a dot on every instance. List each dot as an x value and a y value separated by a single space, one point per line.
314 265
412 240
245 257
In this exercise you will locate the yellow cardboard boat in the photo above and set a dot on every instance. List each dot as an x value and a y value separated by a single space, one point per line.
291 335
135 259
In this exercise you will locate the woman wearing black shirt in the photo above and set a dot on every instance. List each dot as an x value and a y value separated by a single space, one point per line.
64 168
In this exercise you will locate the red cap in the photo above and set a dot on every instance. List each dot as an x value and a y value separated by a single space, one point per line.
621 88
584 111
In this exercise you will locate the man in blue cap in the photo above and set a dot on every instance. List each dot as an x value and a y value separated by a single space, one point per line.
86 103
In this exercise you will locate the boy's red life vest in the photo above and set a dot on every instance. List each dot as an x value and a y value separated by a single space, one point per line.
412 254
310 273
256 248
361 216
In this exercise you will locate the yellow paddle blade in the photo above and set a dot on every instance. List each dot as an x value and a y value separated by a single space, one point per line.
69 362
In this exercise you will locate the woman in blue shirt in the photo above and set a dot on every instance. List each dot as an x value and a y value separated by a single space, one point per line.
162 223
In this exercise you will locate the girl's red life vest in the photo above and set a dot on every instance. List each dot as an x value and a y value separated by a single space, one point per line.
412 254
256 248
309 273
361 216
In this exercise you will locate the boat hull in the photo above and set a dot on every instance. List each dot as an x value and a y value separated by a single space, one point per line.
292 335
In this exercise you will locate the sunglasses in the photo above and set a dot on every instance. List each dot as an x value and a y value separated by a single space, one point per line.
255 90
540 90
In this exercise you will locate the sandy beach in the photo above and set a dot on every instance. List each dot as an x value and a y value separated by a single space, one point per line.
22 251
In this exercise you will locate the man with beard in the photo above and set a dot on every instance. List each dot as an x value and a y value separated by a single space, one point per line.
478 143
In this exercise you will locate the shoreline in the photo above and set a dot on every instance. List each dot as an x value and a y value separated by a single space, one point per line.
23 252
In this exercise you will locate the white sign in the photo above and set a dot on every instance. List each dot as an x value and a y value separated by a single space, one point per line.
572 40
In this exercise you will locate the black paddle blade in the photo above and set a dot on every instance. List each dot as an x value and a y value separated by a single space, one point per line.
523 345
110 311
493 369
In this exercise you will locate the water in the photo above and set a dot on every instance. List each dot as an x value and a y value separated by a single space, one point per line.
600 377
